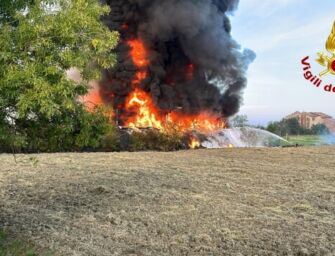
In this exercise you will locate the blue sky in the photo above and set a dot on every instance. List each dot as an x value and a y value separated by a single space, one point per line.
282 32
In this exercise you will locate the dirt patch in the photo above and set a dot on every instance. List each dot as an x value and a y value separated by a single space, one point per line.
203 202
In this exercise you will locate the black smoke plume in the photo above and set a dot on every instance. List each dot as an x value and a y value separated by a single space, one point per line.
179 34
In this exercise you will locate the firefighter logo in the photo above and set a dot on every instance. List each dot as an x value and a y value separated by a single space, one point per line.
326 60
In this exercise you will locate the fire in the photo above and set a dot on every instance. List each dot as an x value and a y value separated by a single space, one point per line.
138 53
93 98
145 113
195 143
140 102
139 77
203 122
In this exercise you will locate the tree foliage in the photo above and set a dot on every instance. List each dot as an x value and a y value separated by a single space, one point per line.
293 127
40 41
320 129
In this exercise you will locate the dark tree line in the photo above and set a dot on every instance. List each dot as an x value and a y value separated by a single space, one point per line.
293 127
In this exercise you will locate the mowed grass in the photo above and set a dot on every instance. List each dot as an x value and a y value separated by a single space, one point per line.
307 140
229 202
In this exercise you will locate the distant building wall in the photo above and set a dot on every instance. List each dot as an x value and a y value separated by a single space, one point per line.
308 119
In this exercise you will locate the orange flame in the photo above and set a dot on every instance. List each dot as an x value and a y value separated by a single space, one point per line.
139 77
146 114
138 53
93 98
140 102
203 122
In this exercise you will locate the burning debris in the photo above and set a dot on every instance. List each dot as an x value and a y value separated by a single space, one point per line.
177 64
194 143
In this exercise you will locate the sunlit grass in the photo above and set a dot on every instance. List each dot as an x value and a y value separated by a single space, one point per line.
307 140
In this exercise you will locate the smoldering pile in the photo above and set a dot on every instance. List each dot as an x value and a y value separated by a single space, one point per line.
193 65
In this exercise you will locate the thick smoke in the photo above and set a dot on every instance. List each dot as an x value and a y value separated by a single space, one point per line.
195 65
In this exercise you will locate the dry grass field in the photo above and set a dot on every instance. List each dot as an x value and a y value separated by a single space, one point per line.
278 201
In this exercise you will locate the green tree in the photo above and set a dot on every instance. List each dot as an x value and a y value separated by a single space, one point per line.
273 127
320 129
285 127
292 126
40 41
8 9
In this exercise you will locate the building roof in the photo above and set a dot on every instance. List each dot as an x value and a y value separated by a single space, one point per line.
311 114
319 114
297 113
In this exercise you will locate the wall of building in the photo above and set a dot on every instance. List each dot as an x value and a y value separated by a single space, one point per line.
307 120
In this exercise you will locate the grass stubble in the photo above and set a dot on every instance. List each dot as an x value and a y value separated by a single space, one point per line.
278 201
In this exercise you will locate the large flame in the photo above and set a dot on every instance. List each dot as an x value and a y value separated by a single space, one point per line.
203 122
141 109
147 115
145 112
139 102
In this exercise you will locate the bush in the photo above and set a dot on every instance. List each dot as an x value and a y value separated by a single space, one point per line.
76 130
154 140
111 141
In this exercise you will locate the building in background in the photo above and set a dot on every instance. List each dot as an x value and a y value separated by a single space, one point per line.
308 119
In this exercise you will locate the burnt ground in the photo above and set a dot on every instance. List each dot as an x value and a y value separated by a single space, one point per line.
203 202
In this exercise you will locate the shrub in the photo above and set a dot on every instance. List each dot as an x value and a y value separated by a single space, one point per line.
111 141
154 140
